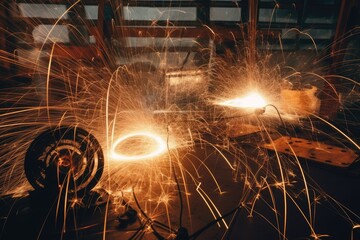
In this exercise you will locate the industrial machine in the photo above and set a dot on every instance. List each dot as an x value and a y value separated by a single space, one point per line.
64 159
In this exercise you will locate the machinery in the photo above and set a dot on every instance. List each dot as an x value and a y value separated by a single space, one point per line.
64 159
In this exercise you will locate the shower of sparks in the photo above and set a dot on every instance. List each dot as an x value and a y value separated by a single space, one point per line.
138 146
252 100
110 98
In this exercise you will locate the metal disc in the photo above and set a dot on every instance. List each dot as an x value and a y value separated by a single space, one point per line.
64 158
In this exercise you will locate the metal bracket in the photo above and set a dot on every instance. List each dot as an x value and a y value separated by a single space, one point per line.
313 150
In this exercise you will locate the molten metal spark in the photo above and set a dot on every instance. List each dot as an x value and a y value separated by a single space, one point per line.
146 145
252 100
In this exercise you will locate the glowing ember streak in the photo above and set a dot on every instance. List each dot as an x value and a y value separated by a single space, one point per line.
253 100
160 147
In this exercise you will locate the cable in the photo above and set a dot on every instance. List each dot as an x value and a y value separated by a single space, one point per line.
281 119
138 231
157 235
185 60
203 229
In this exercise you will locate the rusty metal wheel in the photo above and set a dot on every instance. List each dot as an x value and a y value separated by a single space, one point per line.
64 158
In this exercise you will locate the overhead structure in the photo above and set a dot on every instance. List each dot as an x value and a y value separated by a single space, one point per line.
95 30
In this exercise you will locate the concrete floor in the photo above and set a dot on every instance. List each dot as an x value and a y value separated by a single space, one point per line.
333 194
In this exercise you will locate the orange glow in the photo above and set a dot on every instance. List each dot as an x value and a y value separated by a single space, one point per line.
137 146
252 100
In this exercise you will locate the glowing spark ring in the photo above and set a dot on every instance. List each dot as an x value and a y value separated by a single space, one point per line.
161 147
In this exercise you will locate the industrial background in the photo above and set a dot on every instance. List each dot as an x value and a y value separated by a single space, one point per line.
125 119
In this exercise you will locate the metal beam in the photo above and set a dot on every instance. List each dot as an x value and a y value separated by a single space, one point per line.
217 33
330 98
252 32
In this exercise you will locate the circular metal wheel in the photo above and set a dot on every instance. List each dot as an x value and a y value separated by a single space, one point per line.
64 158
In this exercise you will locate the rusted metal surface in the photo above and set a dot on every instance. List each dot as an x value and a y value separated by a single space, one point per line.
313 150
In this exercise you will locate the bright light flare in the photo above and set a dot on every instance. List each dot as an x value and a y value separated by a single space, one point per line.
252 100
137 146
